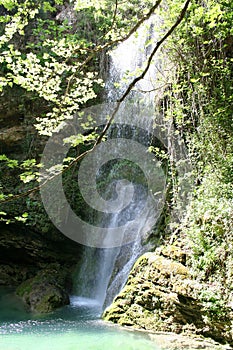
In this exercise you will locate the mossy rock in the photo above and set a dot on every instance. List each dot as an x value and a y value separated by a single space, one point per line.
166 266
47 291
25 288
47 299
174 252
142 261
161 295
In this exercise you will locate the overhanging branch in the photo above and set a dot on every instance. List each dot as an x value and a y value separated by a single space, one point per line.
123 97
142 75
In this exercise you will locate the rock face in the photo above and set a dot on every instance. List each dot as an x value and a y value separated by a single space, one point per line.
24 252
160 295
47 291
40 266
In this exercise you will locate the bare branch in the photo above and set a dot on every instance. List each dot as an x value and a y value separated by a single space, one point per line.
159 43
37 188
155 89
134 29
114 42
119 40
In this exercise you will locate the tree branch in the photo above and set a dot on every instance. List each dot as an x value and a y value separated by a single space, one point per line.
114 42
126 93
142 75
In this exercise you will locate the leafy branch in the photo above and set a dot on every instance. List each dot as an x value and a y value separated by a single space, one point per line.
122 98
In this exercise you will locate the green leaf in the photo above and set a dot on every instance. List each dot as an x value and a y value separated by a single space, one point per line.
8 4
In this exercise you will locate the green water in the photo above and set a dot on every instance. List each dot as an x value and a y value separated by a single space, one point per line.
75 327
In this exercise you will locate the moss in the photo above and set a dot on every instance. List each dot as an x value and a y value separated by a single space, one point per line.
25 287
142 261
167 267
174 252
46 291
161 296
51 300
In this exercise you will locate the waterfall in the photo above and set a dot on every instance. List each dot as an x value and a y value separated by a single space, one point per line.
129 59
104 271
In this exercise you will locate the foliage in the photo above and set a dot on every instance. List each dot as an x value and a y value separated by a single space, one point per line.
51 50
199 101
54 61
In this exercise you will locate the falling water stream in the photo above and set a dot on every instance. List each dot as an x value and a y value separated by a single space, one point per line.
104 270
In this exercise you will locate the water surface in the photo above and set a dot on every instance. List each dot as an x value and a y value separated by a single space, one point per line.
75 327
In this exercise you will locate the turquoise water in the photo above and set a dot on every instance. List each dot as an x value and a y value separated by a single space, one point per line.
75 327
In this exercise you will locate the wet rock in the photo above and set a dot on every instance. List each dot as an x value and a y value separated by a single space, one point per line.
11 274
160 295
24 252
47 291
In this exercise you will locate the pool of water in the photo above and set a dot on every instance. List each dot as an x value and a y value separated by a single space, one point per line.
75 327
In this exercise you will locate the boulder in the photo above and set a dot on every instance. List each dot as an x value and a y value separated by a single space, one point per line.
47 291
161 295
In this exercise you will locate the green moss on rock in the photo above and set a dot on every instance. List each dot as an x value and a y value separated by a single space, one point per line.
161 295
47 291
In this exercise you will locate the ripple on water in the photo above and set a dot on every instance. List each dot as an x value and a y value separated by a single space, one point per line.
75 327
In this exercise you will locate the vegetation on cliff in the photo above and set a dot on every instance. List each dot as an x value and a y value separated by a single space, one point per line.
198 99
53 64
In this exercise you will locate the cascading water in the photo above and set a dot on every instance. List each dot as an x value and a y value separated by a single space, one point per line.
104 270
129 59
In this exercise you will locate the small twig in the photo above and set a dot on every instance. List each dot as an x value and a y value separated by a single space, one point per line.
155 89
113 42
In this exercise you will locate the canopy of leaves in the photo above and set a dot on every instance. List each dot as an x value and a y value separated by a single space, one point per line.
51 50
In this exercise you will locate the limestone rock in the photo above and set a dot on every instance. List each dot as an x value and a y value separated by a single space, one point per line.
12 274
24 252
160 295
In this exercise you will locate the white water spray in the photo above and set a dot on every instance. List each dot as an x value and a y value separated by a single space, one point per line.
104 270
